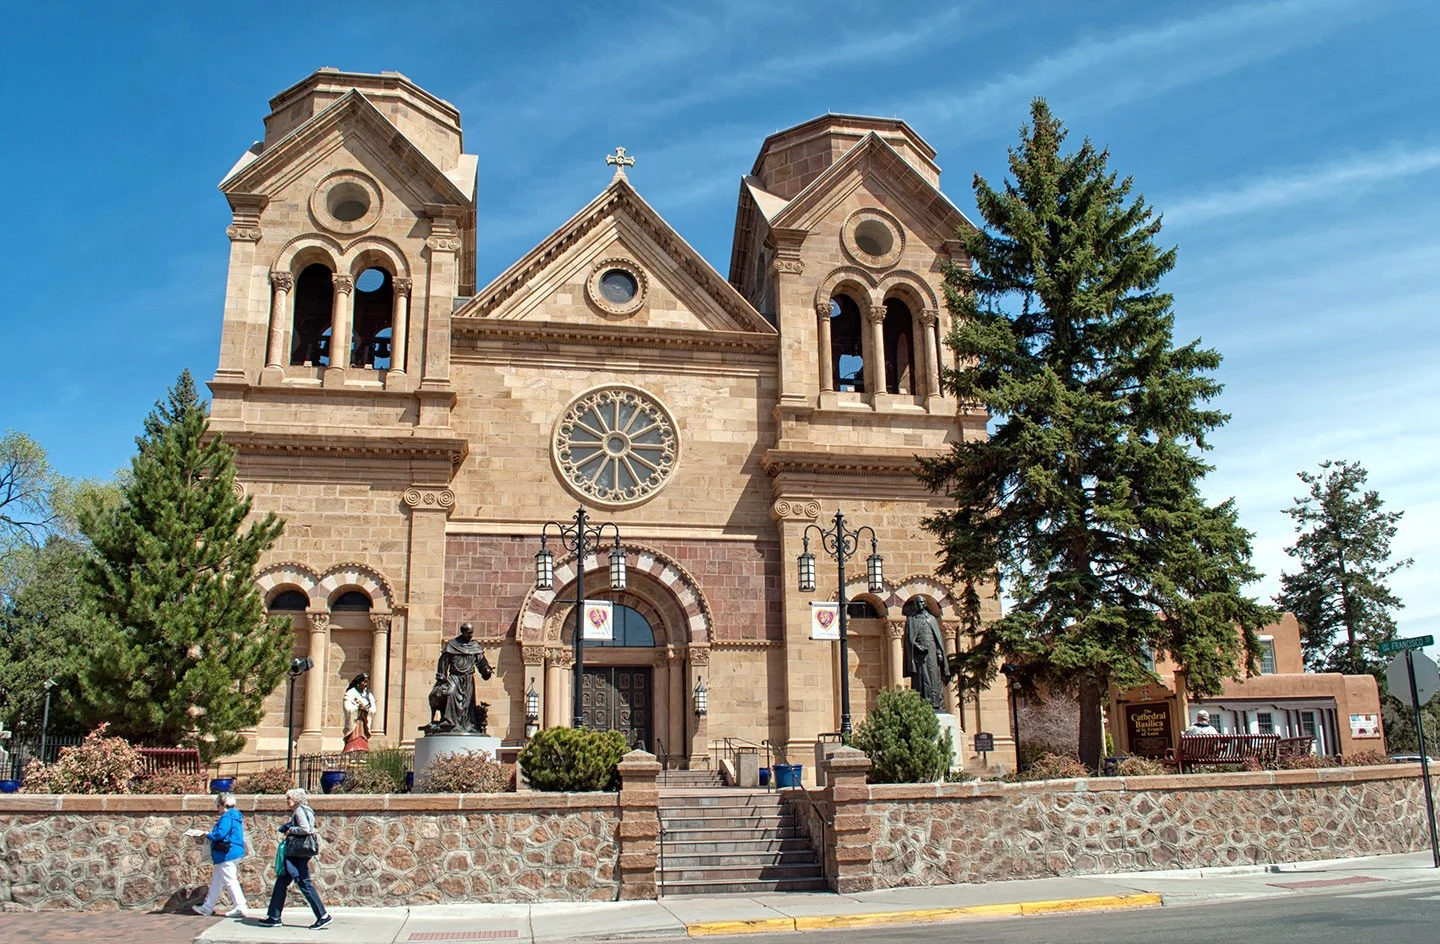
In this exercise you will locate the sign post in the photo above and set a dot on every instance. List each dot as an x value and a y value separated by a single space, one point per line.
1428 671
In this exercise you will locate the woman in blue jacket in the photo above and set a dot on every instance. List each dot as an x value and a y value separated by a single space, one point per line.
227 847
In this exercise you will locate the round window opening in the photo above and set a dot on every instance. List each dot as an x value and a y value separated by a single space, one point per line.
347 202
618 286
616 446
874 237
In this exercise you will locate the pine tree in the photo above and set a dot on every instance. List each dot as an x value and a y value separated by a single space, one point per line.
184 654
1084 502
1344 556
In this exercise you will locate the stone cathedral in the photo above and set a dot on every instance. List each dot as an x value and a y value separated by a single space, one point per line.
416 430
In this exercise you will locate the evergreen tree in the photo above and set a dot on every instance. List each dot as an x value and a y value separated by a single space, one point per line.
183 654
45 633
1085 501
1339 595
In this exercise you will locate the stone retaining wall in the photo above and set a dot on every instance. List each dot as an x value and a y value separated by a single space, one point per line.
933 834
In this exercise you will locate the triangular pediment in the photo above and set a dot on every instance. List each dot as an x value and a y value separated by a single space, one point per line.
553 284
353 124
876 166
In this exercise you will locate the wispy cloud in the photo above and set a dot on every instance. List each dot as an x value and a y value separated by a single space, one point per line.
1338 178
1142 62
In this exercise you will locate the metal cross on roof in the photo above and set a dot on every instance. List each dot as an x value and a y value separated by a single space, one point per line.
619 160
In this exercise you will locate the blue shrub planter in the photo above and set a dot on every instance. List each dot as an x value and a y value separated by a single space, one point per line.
9 786
331 779
221 784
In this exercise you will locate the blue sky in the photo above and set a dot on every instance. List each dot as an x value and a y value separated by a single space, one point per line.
1293 147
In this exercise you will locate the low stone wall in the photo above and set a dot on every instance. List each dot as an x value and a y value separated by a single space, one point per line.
111 852
933 834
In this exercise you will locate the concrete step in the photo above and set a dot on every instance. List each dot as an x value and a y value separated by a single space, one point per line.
690 778
749 821
757 887
740 846
750 862
722 834
721 801
724 874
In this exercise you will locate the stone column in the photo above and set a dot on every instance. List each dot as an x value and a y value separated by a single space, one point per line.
379 667
675 702
929 318
796 351
895 641
827 366
313 730
639 826
564 706
428 504
400 327
552 698
276 356
848 843
243 331
662 745
699 746
875 356
533 658
441 283
951 634
340 317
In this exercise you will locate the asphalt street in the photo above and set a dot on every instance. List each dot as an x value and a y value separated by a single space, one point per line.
1406 915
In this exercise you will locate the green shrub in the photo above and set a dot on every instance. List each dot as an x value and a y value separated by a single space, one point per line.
467 773
99 764
902 738
1140 767
269 780
1054 767
1306 762
391 762
574 760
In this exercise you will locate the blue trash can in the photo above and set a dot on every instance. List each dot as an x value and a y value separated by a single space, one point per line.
764 777
788 775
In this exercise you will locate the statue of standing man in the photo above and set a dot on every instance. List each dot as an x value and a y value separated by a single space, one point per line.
925 662
453 696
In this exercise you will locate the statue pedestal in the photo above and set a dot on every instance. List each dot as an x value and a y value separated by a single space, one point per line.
948 722
430 746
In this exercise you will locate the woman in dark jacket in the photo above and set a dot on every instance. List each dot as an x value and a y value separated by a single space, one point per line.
297 867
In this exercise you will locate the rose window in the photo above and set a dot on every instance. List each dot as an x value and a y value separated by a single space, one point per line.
616 445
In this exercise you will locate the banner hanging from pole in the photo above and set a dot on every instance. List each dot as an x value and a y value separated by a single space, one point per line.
599 621
825 621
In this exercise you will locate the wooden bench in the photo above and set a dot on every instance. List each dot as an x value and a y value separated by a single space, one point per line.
184 759
1204 750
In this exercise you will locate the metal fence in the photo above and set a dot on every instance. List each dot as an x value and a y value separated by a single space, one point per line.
311 766
23 752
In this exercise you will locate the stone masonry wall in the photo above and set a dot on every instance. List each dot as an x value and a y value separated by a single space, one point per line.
103 853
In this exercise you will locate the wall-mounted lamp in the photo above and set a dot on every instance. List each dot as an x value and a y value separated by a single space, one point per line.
702 698
532 711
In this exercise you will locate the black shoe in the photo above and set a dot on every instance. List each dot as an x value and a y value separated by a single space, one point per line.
268 923
322 922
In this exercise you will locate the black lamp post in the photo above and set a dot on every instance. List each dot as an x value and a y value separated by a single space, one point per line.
1012 672
45 719
579 537
841 544
298 667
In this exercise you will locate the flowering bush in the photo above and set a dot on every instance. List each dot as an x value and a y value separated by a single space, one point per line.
99 764
270 780
1139 767
468 773
168 781
1366 759
1054 767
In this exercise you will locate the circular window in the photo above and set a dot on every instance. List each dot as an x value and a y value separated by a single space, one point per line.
616 445
616 286
346 202
873 238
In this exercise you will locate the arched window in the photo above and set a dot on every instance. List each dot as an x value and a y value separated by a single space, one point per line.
289 601
374 307
631 631
353 601
310 330
899 331
861 609
847 349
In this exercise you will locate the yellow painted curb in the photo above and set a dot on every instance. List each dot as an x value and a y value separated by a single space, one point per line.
919 916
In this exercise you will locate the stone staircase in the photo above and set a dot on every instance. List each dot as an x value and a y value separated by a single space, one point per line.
733 841
690 779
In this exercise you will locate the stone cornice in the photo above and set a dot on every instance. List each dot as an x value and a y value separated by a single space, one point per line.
613 335
846 460
338 443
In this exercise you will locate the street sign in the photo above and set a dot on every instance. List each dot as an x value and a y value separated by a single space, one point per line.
984 743
1427 677
1400 645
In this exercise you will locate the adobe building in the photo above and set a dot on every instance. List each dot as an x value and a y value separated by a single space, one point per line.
416 430
1341 712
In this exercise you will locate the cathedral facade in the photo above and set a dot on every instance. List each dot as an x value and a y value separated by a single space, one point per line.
417 431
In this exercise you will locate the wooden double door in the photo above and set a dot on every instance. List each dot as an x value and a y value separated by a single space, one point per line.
619 698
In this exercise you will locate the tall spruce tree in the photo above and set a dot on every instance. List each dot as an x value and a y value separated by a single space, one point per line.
1085 501
1339 594
183 653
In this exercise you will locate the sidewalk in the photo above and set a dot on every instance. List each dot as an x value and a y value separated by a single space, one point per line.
694 917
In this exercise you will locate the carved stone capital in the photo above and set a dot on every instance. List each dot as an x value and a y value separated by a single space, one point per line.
381 622
429 498
532 655
895 629
823 309
875 314
403 286
554 653
566 659
663 657
319 622
699 656
797 509
787 267
443 243
344 284
244 234
929 317
282 281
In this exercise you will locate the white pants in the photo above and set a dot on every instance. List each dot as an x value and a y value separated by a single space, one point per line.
225 876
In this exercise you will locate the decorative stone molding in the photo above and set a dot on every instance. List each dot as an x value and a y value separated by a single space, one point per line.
616 445
244 234
745 644
788 267
381 622
928 317
429 498
800 509
875 314
282 281
594 290
357 576
346 202
319 622
238 487
824 309
554 653
443 243
532 655
471 328
662 656
700 656
403 286
566 659
874 228
344 284
894 629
